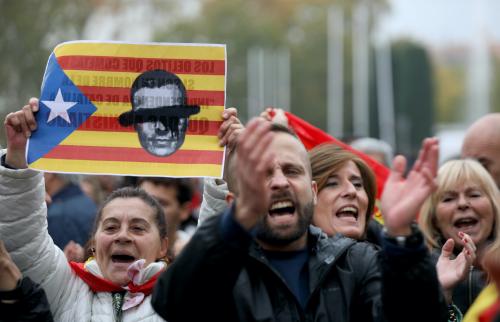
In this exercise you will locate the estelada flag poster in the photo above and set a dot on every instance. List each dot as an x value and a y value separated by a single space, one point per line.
145 109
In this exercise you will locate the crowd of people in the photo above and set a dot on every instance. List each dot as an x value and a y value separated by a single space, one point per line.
286 235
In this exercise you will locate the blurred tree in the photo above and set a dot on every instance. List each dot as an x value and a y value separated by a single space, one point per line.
495 87
413 95
272 24
241 24
30 30
450 92
374 104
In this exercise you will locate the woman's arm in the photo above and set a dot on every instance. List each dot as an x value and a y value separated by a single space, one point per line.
23 219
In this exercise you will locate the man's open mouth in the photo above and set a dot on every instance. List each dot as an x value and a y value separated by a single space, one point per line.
280 208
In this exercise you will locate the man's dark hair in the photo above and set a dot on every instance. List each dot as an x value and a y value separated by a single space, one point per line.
276 127
229 171
182 186
157 78
167 113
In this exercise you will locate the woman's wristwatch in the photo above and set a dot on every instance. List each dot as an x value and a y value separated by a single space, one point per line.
415 239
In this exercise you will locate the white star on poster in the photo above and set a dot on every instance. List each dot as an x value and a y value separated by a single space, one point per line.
59 107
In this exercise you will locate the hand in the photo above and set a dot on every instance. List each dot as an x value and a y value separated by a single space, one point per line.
230 129
74 252
452 271
18 128
402 198
9 273
254 161
275 115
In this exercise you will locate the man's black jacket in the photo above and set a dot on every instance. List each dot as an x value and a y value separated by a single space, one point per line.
222 275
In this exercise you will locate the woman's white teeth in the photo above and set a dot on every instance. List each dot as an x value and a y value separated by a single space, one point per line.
347 212
349 209
465 222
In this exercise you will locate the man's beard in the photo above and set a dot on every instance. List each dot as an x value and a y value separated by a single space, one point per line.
271 236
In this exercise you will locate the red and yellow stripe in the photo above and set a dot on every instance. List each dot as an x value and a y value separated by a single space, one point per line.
104 73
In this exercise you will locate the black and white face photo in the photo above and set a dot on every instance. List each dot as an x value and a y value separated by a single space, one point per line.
160 135
160 112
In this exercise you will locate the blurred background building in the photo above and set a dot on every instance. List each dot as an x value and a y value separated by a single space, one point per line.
398 70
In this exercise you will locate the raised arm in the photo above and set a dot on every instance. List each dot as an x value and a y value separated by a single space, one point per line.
23 215
403 197
215 191
230 128
409 278
451 270
20 298
18 128
254 160
206 271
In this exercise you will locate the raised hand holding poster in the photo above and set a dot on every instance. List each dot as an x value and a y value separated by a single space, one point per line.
131 109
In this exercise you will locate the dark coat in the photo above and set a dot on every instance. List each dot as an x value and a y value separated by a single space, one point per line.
222 275
70 216
32 305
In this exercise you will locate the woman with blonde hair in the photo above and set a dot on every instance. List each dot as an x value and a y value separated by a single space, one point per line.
461 217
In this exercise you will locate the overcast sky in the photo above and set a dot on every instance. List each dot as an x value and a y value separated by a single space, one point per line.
443 22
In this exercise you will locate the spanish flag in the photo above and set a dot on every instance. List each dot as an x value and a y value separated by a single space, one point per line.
150 109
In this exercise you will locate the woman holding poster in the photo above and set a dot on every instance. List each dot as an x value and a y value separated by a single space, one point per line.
128 241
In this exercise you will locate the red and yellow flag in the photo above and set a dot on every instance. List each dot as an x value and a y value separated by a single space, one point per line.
87 87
